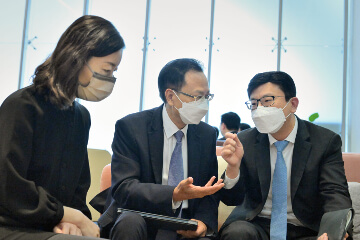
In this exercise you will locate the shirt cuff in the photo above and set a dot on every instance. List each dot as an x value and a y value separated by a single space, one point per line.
229 182
176 205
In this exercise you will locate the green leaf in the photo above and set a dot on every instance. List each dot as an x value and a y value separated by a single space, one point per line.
313 117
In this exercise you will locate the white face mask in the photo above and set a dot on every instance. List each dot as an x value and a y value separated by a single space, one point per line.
193 112
269 119
99 88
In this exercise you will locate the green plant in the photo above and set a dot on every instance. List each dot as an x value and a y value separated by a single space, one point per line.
313 117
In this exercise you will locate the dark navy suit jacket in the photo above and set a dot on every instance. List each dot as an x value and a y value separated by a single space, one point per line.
137 168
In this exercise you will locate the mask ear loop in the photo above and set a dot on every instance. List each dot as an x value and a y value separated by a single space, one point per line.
285 107
178 98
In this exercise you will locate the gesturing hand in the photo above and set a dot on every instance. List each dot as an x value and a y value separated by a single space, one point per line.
187 190
232 153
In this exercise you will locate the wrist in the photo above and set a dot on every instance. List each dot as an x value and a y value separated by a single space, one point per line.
232 171
175 196
73 216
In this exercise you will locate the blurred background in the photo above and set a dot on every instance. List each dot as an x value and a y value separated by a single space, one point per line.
316 41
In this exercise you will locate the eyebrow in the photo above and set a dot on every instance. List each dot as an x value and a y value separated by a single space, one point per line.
265 95
112 64
201 92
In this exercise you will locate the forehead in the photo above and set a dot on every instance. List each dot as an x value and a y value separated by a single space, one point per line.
112 59
266 89
195 81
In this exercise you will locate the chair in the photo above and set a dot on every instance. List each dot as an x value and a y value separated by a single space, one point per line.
105 180
352 166
98 159
218 150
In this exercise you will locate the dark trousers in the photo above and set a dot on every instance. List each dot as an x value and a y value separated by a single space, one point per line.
131 226
259 229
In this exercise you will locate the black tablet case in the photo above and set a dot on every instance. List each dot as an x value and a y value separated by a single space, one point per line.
165 222
336 223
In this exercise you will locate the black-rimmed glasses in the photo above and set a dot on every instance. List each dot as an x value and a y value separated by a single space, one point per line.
209 96
266 101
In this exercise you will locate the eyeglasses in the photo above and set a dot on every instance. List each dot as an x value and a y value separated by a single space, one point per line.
266 101
209 96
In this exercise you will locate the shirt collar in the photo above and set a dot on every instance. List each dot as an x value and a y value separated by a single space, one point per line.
290 138
169 127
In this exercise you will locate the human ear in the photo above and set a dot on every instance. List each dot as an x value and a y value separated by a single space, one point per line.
169 95
294 104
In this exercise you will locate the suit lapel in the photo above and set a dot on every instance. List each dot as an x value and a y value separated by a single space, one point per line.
194 151
301 153
262 156
156 143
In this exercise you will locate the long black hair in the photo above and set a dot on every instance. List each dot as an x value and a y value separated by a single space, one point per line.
89 36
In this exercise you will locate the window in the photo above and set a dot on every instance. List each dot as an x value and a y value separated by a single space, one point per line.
10 45
178 29
314 57
243 46
129 19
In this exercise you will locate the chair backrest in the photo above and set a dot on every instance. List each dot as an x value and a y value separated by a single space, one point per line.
98 158
352 166
105 180
218 150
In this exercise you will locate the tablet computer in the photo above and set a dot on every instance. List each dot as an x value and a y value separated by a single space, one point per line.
165 222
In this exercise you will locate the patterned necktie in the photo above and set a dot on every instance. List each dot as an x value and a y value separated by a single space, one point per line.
176 169
176 175
278 225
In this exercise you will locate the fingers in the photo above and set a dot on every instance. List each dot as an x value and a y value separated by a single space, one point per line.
323 237
185 183
200 231
210 182
56 229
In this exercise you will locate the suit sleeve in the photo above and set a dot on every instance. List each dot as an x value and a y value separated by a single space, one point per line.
21 199
128 159
78 201
332 183
207 210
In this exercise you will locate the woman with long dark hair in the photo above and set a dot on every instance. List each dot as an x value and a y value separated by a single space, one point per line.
44 168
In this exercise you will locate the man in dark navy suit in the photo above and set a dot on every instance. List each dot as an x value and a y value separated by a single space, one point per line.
142 148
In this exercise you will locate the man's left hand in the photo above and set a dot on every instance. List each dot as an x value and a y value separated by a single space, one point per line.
200 231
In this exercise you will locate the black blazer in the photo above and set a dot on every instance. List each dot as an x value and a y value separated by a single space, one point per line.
137 168
318 182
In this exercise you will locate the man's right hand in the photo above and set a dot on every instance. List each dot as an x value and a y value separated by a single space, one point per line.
232 153
187 190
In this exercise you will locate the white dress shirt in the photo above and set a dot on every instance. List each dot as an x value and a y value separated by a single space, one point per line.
287 154
169 144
